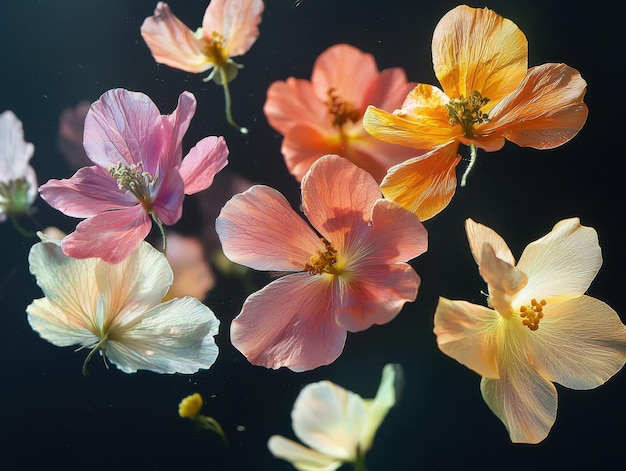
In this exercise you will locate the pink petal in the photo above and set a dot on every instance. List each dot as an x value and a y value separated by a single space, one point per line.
301 334
172 43
90 191
174 128
112 235
387 91
202 163
304 144
236 20
168 205
337 198
259 229
70 139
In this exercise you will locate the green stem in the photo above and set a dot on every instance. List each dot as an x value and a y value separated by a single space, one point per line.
18 227
359 464
159 224
229 115
209 423
473 153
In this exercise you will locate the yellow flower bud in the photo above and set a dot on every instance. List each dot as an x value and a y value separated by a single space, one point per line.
190 406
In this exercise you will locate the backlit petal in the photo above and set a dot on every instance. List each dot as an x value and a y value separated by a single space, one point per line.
301 457
202 163
15 153
478 235
168 205
236 20
171 133
388 91
304 144
504 280
289 323
259 229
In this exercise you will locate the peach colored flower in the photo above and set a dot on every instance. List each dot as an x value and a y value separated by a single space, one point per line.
229 29
538 328
352 277
324 115
489 96
139 173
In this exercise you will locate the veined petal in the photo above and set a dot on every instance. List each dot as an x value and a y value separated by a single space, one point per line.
505 281
564 261
173 337
173 43
111 235
173 129
425 184
388 91
168 205
465 332
337 198
580 343
258 228
236 20
478 50
478 235
301 334
15 153
90 191
202 163
301 457
545 111
329 419
304 144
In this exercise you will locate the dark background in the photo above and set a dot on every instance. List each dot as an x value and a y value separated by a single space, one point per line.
57 53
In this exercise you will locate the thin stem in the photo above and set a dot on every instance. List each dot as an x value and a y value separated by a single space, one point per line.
161 227
473 153
20 229
209 423
359 464
229 115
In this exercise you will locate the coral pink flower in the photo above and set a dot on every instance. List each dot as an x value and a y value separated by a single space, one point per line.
324 116
139 173
352 277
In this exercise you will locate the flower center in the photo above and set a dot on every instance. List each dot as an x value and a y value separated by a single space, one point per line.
214 50
531 315
134 180
341 111
324 261
14 197
466 112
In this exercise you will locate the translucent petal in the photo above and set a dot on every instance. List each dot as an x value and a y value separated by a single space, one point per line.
478 234
301 457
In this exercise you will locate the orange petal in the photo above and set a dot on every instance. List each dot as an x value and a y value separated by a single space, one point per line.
303 145
478 50
236 20
425 184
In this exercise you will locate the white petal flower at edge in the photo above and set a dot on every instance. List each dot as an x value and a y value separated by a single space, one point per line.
337 425
117 310
540 328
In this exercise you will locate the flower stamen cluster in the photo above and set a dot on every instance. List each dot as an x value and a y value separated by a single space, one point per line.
466 112
323 262
341 111
531 315
215 49
134 180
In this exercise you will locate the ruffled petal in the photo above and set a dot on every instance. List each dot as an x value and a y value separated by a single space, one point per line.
478 50
580 342
465 332
301 334
112 235
545 111
426 184
478 235
202 163
173 43
301 457
90 191
258 228
237 21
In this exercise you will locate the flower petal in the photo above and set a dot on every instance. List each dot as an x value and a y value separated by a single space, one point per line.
168 205
426 184
388 91
173 337
15 153
478 235
237 21
259 229
301 457
173 129
464 332
301 335
545 111
503 279
478 50
580 343
304 144
173 43
202 163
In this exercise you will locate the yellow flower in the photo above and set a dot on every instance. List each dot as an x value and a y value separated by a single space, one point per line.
539 327
190 406
488 96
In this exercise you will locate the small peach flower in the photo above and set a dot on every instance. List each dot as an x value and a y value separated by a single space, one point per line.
190 406
324 115
489 95
539 327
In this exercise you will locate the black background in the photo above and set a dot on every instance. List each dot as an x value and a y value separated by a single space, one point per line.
57 53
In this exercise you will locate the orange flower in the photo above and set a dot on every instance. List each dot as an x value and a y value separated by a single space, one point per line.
229 29
488 96
324 115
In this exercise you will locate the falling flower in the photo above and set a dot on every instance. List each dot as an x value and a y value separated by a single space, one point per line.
229 29
116 309
18 182
337 425
539 327
190 408
324 116
488 96
139 173
352 277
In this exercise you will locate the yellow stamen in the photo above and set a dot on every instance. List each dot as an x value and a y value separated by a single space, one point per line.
466 112
135 181
531 315
323 262
341 111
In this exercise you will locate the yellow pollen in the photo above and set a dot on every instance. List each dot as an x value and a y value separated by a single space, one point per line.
323 262
466 112
214 50
135 181
341 111
531 315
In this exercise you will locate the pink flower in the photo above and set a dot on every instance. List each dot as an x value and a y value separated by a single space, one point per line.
352 277
324 115
139 173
